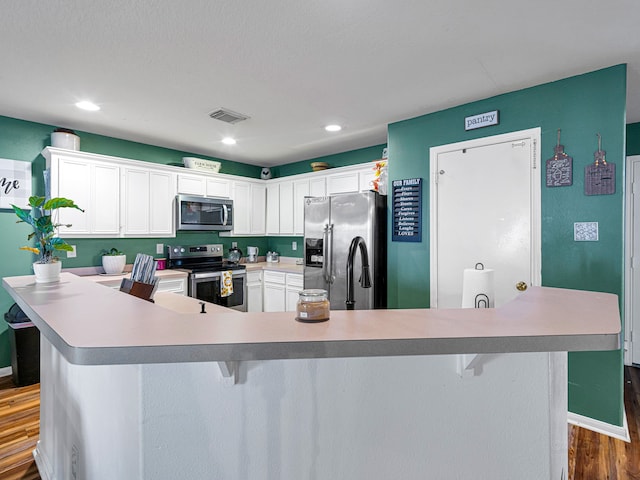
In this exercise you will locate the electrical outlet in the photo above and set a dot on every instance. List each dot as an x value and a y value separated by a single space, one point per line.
72 253
234 244
160 248
294 245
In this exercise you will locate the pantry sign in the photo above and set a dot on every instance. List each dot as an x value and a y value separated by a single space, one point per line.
15 183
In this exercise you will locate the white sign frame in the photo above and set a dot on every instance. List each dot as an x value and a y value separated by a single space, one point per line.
15 183
482 120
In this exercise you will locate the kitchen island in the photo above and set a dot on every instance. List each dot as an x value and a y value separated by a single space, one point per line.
132 389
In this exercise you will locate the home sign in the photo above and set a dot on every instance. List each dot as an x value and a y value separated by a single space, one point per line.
15 183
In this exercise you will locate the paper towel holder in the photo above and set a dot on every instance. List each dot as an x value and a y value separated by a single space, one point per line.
481 266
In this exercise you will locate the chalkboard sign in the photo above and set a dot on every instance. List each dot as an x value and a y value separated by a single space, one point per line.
407 210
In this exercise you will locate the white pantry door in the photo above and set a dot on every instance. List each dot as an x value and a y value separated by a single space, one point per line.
485 208
632 283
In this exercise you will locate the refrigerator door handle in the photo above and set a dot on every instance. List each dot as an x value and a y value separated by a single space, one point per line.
327 254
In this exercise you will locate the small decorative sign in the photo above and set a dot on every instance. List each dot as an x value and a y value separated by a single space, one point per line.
559 167
407 210
600 176
482 120
15 183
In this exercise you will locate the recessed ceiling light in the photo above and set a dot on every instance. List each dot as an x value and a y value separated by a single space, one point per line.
86 105
229 141
333 128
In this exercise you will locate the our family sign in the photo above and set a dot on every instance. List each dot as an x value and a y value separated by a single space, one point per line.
15 183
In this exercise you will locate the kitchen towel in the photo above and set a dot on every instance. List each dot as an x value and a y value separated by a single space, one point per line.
226 285
477 288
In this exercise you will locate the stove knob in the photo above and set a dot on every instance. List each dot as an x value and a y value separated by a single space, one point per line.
182 250
175 250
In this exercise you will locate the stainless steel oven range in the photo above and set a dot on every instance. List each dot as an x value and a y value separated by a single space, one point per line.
206 266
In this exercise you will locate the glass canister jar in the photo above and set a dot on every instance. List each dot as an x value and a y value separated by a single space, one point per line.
313 306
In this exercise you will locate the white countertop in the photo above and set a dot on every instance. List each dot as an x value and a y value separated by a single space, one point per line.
92 325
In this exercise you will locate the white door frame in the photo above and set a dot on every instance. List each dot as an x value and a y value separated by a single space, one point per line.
536 238
628 258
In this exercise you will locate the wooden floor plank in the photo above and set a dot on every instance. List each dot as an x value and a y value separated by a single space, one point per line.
598 457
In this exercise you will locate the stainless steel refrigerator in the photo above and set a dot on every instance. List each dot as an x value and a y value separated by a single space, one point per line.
345 253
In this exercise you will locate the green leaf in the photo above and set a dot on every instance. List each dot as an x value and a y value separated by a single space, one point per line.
60 202
35 201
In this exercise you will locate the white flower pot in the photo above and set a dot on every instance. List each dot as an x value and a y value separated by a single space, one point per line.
47 272
113 264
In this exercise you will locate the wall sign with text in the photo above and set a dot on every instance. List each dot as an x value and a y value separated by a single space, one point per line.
15 183
407 210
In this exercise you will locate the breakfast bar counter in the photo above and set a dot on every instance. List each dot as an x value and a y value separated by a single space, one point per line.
91 325
138 390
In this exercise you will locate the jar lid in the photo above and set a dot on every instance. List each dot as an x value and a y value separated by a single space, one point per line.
313 293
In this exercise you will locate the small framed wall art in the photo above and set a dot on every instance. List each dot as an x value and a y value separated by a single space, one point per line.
15 183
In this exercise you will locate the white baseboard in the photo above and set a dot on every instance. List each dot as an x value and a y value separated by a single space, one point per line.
621 433
43 468
5 371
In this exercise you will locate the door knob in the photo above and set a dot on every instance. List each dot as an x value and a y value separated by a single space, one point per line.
521 286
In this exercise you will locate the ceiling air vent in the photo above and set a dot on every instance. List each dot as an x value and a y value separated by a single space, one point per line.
228 116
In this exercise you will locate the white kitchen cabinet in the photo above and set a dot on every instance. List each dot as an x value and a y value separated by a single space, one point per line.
162 195
94 187
317 187
366 176
174 285
273 208
218 187
254 291
294 283
274 288
192 184
249 200
300 190
286 207
346 182
147 202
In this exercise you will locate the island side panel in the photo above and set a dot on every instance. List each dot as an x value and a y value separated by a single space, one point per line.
89 419
358 418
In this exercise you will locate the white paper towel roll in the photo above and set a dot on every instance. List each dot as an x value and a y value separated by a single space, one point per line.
475 285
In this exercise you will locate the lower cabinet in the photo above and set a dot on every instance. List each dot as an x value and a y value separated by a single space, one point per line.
175 285
254 291
274 291
294 287
281 291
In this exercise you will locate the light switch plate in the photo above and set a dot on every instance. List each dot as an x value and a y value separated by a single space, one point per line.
72 253
159 247
585 231
294 245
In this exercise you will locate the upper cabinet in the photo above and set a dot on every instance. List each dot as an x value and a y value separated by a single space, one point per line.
131 198
94 186
148 202
249 207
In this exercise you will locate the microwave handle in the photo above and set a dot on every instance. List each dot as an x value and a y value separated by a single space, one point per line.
225 214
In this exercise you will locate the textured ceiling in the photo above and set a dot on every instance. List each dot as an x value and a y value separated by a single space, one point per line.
158 68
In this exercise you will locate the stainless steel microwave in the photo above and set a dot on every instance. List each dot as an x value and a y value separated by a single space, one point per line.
203 213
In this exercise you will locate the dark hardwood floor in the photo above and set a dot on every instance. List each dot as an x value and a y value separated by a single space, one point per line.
19 430
591 456
598 457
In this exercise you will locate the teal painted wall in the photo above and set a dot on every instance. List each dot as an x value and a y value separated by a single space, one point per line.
352 157
633 139
581 107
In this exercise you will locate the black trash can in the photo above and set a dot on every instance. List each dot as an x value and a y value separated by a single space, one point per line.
24 338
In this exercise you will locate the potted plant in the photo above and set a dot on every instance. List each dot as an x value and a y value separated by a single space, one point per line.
113 261
47 267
